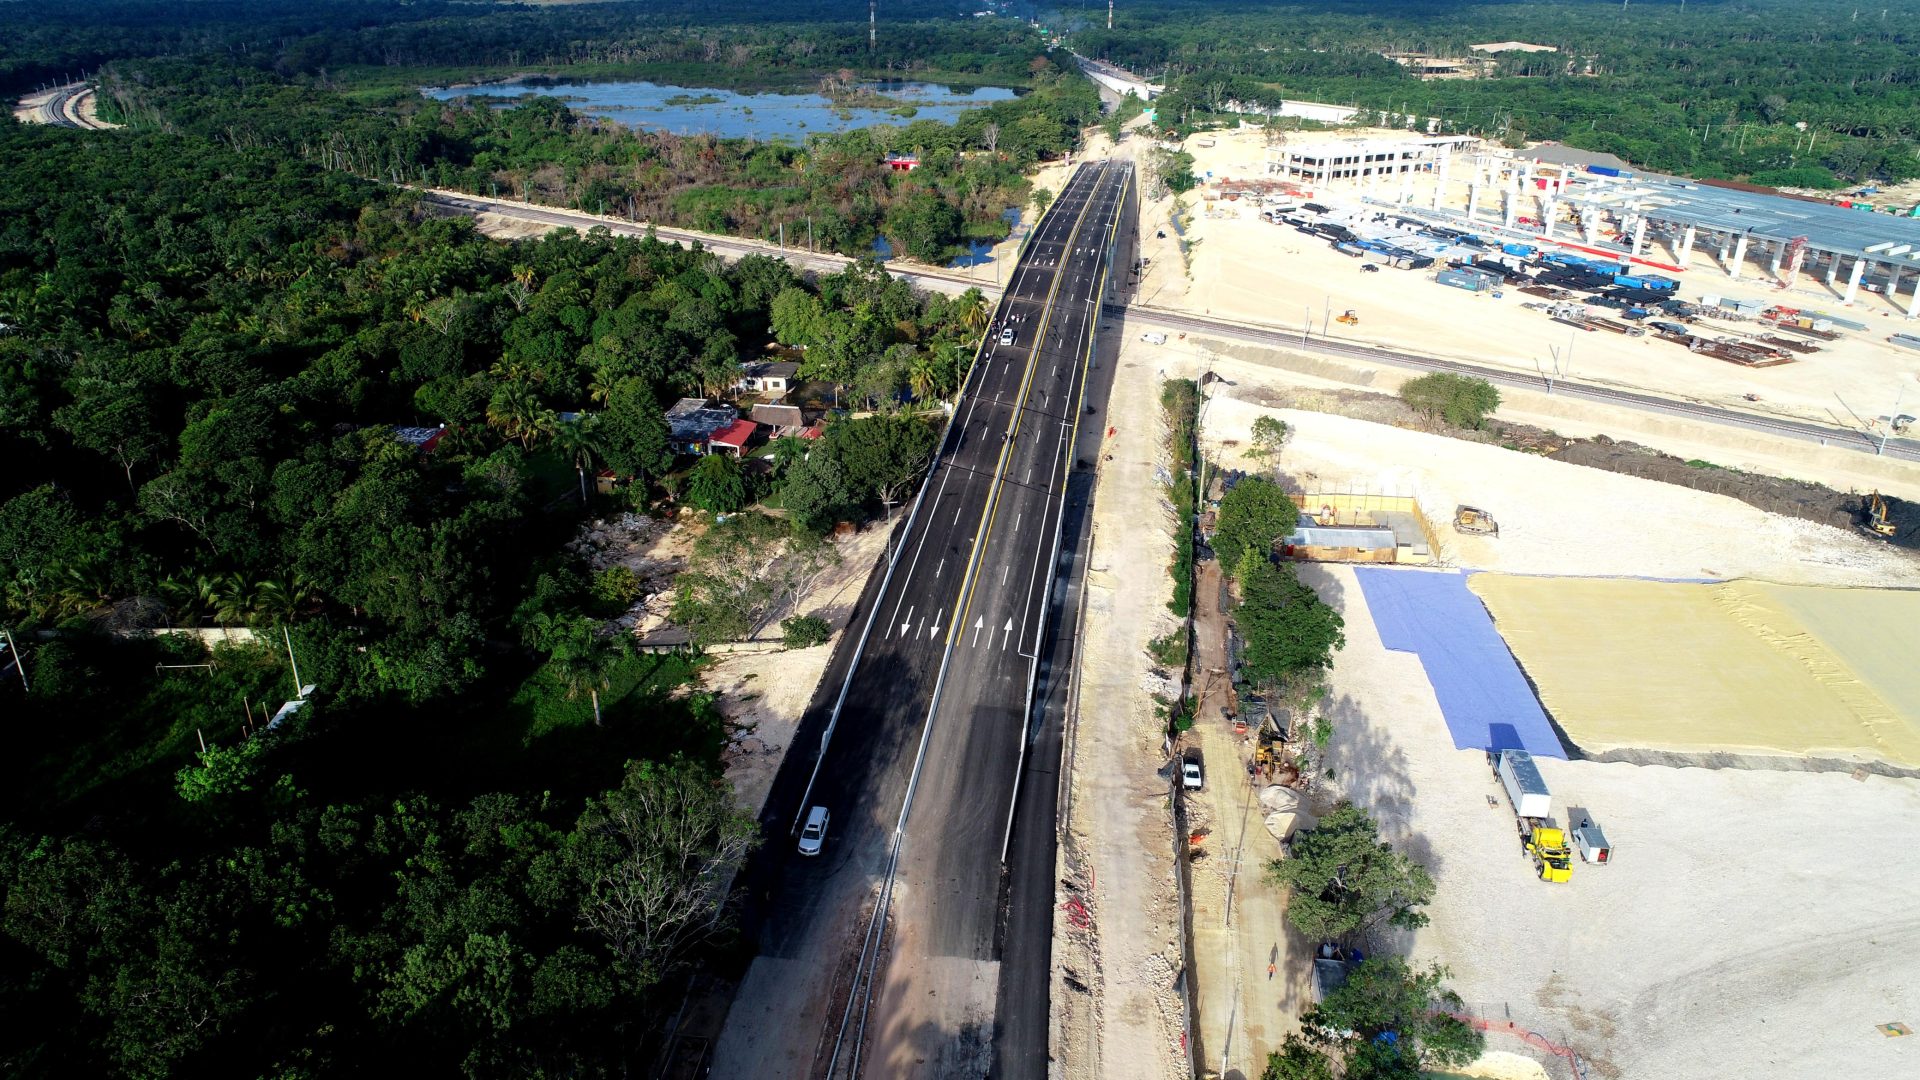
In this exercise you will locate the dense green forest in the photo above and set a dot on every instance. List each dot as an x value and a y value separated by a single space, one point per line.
1707 89
440 864
342 90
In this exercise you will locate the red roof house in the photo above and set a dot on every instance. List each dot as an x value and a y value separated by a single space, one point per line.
733 438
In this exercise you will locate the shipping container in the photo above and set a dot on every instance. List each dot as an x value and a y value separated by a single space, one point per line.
1462 280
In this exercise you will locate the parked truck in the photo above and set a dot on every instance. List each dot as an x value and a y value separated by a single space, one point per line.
1540 835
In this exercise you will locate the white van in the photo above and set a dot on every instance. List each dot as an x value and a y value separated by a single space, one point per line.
813 835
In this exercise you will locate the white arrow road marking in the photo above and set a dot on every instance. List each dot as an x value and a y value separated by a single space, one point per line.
1006 632
936 622
907 622
977 624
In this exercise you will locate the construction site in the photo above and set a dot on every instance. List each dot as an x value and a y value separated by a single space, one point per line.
1559 712
1553 267
1619 703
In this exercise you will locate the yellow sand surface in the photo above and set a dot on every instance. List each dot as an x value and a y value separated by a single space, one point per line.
1741 667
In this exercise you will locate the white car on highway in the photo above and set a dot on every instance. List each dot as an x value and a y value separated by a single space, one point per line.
1007 336
813 835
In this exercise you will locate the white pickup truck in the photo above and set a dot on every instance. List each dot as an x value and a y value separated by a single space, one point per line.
1154 338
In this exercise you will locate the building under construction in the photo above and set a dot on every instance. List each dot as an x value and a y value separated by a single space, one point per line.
1675 224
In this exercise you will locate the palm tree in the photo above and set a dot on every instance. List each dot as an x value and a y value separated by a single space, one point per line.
975 316
280 599
601 388
575 439
516 410
923 376
232 599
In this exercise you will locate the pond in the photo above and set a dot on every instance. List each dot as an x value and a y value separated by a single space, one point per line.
682 110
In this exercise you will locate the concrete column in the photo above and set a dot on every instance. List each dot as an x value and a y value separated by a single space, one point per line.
1512 209
1473 197
1686 248
1913 302
1893 279
1551 216
1853 280
1773 265
1440 187
1590 220
1639 235
1833 269
1739 258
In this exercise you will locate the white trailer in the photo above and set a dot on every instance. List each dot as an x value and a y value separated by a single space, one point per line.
1525 787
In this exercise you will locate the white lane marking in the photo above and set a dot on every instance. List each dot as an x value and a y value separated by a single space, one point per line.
1017 518
937 569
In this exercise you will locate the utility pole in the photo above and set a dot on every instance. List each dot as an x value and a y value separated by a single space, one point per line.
872 32
20 662
1884 436
291 662
1109 14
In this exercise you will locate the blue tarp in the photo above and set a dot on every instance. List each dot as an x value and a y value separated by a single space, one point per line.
1484 696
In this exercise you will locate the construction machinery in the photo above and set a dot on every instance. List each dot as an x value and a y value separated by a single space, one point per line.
1548 846
1540 835
1878 522
1347 318
1472 519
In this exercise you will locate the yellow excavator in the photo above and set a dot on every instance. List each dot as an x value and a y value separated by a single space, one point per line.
1347 318
1878 522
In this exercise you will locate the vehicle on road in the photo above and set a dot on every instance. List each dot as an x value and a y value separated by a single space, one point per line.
1154 338
1007 336
1190 775
813 835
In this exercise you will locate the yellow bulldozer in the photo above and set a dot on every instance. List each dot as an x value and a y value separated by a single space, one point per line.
1551 856
1472 519
1347 318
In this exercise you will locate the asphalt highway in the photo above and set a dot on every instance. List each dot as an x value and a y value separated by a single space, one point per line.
973 549
937 1012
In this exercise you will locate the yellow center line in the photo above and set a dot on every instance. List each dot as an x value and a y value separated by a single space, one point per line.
984 533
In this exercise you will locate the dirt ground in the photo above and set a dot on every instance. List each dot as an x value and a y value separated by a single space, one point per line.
763 695
1117 953
1729 938
1555 517
1241 266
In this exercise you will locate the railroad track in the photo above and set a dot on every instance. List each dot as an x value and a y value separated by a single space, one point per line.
1849 438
